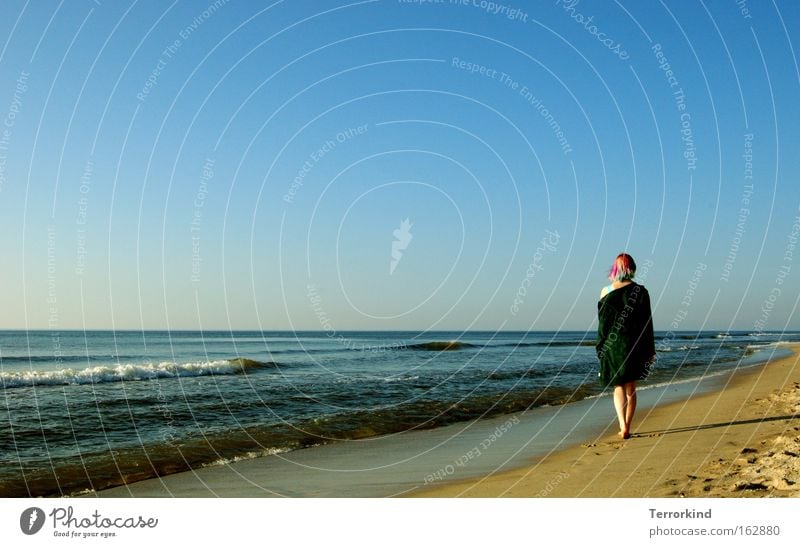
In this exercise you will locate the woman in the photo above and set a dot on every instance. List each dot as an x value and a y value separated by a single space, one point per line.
626 345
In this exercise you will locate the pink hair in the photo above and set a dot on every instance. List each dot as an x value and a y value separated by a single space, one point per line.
624 268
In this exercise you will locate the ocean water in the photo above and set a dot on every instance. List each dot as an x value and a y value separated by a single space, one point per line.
82 411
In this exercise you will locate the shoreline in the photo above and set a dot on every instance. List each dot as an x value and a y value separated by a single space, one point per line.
742 440
529 459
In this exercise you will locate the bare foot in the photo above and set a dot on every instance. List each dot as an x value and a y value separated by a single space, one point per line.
624 435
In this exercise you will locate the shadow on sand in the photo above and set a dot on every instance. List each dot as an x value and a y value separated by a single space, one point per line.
712 426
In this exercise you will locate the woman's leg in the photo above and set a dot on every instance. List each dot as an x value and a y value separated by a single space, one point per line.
620 404
625 404
630 406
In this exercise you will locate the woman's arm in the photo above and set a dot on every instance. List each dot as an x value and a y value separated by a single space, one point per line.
603 326
648 332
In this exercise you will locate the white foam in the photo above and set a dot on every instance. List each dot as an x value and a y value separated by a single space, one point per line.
117 373
770 345
81 493
247 456
761 346
401 378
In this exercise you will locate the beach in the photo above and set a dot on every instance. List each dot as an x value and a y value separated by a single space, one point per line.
411 271
740 441
112 408
731 434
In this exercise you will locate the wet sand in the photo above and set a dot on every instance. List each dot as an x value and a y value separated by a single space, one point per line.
740 441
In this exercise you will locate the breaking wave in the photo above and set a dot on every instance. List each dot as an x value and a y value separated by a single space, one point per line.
129 372
452 345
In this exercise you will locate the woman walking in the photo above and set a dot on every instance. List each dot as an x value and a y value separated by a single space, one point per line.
626 344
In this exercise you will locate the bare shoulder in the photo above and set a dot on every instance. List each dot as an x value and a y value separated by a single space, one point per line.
603 292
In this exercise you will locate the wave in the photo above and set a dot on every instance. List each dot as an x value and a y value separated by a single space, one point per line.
366 379
749 349
516 374
130 372
51 358
452 345
702 336
400 379
553 343
705 335
685 347
246 456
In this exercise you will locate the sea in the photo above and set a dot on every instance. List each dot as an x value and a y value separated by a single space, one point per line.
81 411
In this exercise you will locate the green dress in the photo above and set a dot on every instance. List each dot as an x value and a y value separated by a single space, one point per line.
625 340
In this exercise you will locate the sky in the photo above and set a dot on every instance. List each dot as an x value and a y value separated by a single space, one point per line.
388 164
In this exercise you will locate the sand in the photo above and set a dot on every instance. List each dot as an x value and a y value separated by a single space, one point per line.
741 441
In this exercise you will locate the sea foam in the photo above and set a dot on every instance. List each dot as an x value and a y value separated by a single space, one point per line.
128 372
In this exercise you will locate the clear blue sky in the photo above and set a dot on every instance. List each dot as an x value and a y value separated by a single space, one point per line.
246 165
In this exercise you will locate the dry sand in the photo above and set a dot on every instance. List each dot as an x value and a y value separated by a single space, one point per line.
742 441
